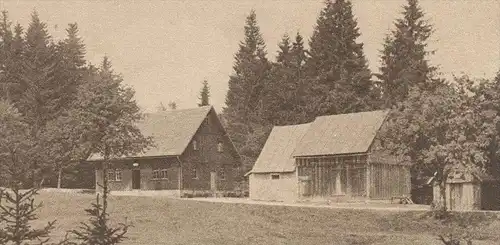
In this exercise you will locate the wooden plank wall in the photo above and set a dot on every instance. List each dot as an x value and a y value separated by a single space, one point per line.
388 180
324 172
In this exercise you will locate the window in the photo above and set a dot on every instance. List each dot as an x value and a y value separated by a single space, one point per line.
118 175
206 121
114 175
275 176
220 147
160 174
111 175
195 173
164 174
222 174
195 145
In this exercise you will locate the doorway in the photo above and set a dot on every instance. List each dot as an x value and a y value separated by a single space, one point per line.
136 179
213 181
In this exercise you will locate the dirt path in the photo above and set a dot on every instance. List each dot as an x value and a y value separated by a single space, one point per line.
358 206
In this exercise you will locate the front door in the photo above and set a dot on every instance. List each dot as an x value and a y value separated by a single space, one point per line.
213 181
136 179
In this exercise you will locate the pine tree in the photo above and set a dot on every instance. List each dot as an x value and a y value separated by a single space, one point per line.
18 212
404 58
6 38
244 106
11 48
285 91
337 68
204 94
17 207
98 231
73 47
300 58
40 100
106 117
70 70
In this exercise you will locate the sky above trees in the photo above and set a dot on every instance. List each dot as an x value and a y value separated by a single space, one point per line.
165 49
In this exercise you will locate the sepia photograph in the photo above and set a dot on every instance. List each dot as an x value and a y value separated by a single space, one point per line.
193 122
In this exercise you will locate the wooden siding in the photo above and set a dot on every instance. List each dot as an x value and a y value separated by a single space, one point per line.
207 158
334 176
353 176
389 180
461 196
146 167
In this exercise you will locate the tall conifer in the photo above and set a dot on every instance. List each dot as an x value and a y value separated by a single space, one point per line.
404 58
337 67
284 91
204 94
244 108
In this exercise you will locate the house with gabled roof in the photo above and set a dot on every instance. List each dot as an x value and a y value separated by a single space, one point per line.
273 176
334 157
192 153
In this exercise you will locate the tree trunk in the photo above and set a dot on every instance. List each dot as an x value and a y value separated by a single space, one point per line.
442 190
59 178
41 182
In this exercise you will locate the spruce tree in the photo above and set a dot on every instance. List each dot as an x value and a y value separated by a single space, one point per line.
69 74
40 99
244 109
6 37
204 94
106 117
285 91
11 48
18 210
338 73
404 58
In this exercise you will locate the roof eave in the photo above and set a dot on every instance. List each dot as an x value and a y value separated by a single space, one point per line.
331 155
133 158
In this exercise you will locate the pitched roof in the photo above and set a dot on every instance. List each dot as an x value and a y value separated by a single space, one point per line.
465 173
341 134
171 131
276 155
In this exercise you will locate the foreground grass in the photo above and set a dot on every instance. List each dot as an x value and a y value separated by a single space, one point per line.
159 220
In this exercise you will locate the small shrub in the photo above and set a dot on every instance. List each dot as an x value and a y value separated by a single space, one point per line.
17 211
98 230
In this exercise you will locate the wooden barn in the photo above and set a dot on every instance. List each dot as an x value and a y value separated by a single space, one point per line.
338 158
192 155
273 177
468 189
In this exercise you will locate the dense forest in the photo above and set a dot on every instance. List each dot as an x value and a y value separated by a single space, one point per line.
435 123
57 109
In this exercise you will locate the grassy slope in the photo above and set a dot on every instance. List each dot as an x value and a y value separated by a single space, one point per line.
158 220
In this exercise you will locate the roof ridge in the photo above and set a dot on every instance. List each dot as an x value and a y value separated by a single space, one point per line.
353 113
182 110
290 125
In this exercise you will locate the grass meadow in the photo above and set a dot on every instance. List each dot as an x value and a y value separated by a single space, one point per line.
161 220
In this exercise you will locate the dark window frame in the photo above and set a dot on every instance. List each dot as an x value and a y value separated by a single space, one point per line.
220 146
194 173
